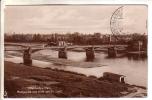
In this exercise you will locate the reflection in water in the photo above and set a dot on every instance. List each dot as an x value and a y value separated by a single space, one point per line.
137 57
134 69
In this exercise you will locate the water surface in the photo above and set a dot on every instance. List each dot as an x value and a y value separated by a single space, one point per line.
135 70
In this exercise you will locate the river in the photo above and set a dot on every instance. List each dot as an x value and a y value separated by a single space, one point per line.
135 70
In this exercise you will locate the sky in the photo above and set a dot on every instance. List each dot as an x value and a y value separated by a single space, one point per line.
72 18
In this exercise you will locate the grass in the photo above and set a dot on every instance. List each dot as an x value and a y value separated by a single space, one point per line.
69 84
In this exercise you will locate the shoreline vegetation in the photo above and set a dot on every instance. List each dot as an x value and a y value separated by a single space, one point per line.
76 38
31 81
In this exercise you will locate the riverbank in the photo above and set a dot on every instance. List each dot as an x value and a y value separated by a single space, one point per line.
29 81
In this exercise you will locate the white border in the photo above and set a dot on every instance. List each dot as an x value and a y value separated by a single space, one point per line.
2 51
149 3
27 2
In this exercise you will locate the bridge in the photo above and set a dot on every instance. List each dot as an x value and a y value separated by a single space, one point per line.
27 50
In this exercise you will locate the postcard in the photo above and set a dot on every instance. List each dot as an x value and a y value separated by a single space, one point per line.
75 51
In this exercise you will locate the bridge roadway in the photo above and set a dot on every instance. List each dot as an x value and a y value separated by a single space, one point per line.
62 50
34 48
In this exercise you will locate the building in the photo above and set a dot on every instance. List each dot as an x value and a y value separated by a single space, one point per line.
114 77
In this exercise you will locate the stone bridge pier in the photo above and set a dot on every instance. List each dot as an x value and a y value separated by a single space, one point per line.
112 52
62 53
27 60
90 54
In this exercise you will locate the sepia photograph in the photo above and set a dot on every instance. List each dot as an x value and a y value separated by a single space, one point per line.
76 51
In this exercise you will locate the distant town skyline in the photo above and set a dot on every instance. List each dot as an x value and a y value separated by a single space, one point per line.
73 18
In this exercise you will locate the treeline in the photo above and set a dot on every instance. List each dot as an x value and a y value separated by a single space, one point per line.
76 38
